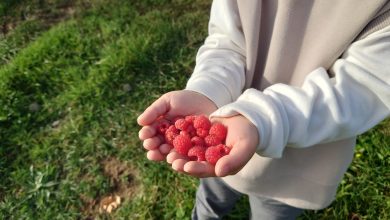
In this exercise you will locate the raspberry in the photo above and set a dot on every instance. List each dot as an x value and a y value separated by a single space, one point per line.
202 132
218 130
190 118
182 144
196 140
203 122
212 140
173 129
176 118
197 153
162 126
182 124
227 149
170 134
214 153
185 133
169 137
191 130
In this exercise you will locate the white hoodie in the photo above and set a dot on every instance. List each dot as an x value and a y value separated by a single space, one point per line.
302 74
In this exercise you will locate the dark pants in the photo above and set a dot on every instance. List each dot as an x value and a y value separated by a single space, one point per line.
214 199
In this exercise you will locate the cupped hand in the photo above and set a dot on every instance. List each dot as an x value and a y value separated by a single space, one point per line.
170 105
243 139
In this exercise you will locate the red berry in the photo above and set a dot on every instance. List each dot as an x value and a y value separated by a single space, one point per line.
214 153
169 137
227 149
202 132
203 122
182 124
172 128
185 133
190 118
170 134
162 126
191 130
182 144
212 140
197 153
176 118
218 130
198 141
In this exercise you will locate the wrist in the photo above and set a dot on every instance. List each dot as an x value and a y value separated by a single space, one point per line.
214 91
259 110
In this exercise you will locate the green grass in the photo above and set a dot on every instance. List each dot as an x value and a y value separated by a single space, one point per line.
71 88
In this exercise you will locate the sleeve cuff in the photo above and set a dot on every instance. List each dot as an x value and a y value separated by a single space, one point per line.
215 91
259 109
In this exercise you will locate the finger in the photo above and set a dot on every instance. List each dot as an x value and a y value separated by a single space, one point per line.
165 148
199 169
178 165
146 132
152 143
155 110
173 155
237 158
155 155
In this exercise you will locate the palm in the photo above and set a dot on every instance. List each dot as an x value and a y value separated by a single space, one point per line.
184 103
170 105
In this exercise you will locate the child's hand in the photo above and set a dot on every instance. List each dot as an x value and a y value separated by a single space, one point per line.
171 105
242 136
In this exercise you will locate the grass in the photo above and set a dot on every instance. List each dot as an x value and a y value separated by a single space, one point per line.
72 83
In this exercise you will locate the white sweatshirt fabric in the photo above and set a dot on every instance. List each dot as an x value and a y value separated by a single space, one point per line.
317 112
324 109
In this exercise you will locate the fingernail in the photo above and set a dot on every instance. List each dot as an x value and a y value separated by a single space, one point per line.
138 120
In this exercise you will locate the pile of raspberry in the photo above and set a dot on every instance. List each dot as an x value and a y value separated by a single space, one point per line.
195 137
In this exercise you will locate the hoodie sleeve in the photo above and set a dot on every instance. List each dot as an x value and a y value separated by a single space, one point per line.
219 73
324 109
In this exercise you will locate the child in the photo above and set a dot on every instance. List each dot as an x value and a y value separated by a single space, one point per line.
295 82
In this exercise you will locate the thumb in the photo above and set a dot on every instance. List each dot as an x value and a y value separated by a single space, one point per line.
156 109
239 155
